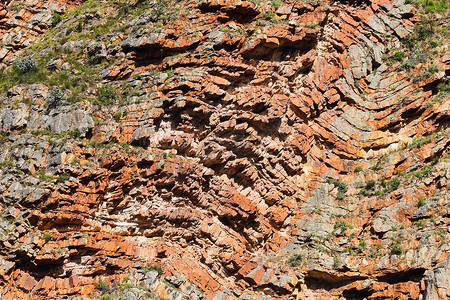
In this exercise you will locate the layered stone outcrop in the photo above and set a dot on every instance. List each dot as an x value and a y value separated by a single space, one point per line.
225 150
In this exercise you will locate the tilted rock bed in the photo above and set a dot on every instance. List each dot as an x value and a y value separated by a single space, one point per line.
252 150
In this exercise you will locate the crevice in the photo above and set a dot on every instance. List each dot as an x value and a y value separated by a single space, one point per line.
409 275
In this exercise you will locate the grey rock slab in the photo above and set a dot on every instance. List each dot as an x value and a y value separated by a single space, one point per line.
376 24
438 282
11 119
63 122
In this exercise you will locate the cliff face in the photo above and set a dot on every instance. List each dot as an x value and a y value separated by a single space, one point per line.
223 149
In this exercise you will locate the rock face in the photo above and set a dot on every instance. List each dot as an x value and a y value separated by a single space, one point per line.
224 150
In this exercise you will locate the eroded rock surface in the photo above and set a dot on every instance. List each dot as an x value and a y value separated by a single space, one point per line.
224 150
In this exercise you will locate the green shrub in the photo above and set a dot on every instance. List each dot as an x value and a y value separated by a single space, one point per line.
340 196
75 133
342 187
361 246
47 237
396 249
101 285
358 169
276 3
224 29
444 87
63 177
105 297
105 95
431 6
295 260
397 56
118 116
55 98
25 65
394 184
95 144
56 18
336 263
269 16
342 226
125 286
370 184
419 223
407 65
424 172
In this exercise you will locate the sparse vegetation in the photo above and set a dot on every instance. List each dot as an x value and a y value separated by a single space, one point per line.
295 260
63 177
157 269
342 226
396 249
276 3
56 18
101 285
361 246
311 25
421 202
342 187
75 133
47 237
370 185
419 223
340 196
105 95
118 116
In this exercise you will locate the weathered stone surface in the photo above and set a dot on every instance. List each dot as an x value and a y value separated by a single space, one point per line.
250 150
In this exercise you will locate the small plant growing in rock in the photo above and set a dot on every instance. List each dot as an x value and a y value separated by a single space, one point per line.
336 263
269 15
75 133
361 246
118 116
397 56
370 184
157 269
419 223
101 285
295 260
421 202
311 25
106 94
358 169
55 98
276 3
63 177
340 196
342 187
342 226
47 237
396 249
56 18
